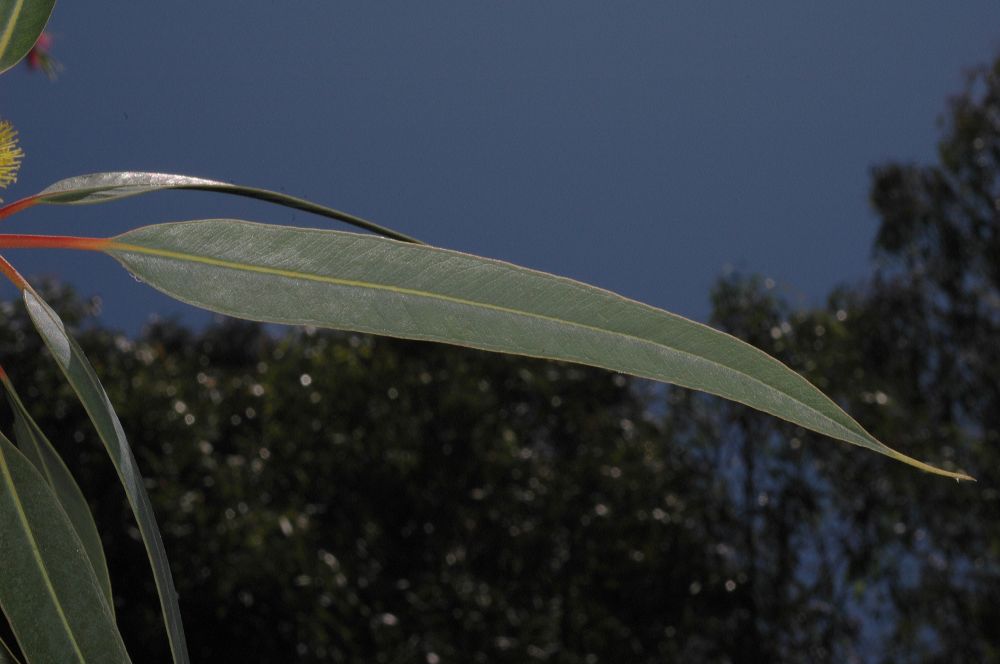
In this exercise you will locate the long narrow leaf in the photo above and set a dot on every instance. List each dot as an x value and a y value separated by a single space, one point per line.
36 448
21 21
106 187
370 284
53 601
82 378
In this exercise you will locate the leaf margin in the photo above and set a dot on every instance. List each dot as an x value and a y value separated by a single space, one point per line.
121 246
84 381
17 35
37 447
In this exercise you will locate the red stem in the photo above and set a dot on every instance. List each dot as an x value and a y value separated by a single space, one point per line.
17 206
52 242
15 277
41 242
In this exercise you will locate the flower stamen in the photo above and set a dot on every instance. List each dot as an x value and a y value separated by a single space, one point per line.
10 154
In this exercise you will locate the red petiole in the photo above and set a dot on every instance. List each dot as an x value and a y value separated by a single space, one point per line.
41 242
52 242
11 273
17 206
37 241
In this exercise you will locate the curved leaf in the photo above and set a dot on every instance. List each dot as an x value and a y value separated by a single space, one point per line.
36 448
21 22
53 601
82 378
105 187
370 284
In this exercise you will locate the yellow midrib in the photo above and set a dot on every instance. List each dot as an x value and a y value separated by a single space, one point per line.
115 245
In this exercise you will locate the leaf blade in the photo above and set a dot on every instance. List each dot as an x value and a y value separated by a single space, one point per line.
85 383
37 448
370 284
21 22
97 188
49 593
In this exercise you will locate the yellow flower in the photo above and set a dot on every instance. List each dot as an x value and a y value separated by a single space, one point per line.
10 154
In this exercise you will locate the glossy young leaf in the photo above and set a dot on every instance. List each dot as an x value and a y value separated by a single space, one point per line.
53 601
37 448
82 378
105 187
371 284
21 22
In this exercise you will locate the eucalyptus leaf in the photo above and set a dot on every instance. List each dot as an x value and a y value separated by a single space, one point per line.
370 284
21 22
85 383
53 602
105 187
37 448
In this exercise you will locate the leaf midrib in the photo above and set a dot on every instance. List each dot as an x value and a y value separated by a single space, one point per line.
116 245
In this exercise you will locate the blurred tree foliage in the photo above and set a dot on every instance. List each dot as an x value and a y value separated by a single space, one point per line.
908 566
336 497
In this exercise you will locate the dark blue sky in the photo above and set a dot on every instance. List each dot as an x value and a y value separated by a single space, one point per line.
640 146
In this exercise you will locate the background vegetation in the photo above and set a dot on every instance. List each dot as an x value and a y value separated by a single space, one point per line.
334 497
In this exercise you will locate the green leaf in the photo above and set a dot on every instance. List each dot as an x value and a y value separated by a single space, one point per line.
371 284
105 187
82 378
36 448
48 590
21 22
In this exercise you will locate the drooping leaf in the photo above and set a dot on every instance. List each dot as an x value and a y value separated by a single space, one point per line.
53 602
21 22
371 284
37 448
105 187
85 383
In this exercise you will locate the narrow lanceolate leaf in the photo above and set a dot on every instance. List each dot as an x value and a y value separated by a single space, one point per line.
106 187
36 448
53 602
95 401
21 21
370 284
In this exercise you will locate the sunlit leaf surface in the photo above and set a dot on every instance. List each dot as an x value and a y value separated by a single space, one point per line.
371 284
105 187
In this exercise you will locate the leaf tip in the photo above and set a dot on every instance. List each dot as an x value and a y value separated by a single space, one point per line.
956 475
